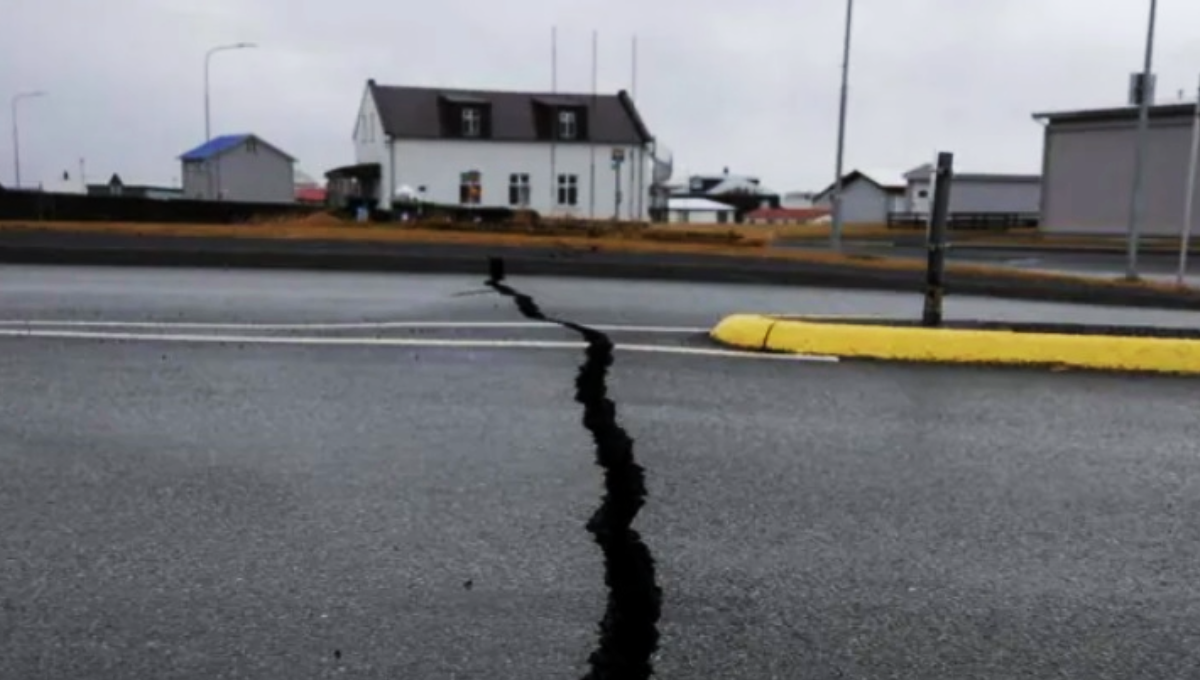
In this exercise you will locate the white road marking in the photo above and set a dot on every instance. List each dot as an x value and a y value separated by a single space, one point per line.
460 343
334 326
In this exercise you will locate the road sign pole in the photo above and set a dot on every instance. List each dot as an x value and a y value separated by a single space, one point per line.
935 270
1190 196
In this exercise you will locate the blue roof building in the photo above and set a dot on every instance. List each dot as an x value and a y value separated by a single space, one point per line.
238 167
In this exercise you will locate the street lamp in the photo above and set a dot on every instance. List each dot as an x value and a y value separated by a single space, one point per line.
835 232
16 132
1138 198
207 108
207 58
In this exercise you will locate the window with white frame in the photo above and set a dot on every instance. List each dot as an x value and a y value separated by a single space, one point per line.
568 125
470 188
518 189
568 190
472 119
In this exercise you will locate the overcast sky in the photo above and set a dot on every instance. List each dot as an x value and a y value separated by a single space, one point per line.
749 85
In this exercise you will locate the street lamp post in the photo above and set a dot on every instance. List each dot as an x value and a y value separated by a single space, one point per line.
16 132
1138 198
207 106
835 232
208 58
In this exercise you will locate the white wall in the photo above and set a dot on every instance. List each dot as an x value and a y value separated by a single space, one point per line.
701 216
369 143
862 203
979 196
438 164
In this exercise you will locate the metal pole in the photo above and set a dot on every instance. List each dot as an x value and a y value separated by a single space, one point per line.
641 169
1138 197
935 271
835 233
207 106
16 136
16 132
591 137
1190 195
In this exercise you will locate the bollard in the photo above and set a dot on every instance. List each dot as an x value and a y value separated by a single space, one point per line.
936 237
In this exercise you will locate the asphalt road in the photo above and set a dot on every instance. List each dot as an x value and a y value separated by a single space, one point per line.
244 479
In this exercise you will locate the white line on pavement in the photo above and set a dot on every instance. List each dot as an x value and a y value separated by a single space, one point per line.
459 343
331 326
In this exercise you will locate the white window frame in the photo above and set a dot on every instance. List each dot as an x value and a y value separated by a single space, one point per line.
519 182
463 182
472 121
567 194
568 124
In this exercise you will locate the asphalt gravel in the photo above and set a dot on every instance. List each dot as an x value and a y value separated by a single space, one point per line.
239 510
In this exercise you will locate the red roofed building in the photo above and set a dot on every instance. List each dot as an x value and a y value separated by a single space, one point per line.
786 215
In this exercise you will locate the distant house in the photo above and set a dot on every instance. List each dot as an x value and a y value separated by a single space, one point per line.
699 210
239 167
743 193
1087 169
558 154
981 193
868 197
65 183
116 187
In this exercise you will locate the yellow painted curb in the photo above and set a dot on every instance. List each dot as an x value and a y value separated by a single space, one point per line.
959 346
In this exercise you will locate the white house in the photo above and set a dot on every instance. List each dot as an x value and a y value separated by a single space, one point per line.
698 210
867 196
559 154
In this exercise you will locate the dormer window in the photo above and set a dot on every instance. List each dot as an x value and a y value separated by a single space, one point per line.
568 125
472 121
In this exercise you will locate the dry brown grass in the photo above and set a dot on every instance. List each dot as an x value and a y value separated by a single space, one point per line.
656 239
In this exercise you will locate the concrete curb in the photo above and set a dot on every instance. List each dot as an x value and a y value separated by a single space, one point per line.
1173 352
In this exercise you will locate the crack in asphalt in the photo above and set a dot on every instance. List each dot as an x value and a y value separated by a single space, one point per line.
629 630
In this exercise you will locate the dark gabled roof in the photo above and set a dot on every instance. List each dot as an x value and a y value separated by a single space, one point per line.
1119 113
857 175
219 145
412 113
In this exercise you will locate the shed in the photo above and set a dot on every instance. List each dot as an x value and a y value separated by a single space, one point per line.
1087 169
241 167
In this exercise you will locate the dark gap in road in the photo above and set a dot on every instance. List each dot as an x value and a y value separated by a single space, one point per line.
629 630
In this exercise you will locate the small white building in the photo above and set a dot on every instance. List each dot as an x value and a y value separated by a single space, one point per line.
559 154
698 210
867 197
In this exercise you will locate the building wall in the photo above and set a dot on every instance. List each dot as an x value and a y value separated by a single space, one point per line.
862 203
370 145
1088 178
256 174
978 196
702 216
438 165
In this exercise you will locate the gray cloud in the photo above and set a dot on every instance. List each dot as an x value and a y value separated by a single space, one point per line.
750 85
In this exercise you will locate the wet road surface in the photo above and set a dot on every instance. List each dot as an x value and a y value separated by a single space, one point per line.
335 506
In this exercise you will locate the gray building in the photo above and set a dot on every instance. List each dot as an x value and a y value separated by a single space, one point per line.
982 193
867 197
238 168
1088 169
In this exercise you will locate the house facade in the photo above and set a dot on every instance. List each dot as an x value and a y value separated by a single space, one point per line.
1087 169
975 192
559 154
866 198
240 168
